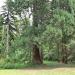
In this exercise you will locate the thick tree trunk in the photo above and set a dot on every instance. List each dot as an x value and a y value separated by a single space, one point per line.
36 55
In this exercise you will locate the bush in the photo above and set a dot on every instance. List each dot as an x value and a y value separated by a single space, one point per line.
13 65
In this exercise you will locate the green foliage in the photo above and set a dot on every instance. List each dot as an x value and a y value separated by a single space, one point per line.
13 65
53 28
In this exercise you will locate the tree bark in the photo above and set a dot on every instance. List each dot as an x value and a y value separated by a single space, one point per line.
37 57
7 42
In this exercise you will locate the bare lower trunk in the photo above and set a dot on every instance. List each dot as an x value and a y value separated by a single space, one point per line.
37 57
7 41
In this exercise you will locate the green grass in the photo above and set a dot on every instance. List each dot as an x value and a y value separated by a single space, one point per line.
38 72
48 68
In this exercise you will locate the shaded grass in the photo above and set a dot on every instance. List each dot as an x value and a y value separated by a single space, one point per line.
48 68
52 64
46 65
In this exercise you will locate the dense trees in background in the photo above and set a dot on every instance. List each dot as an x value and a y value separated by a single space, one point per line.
64 14
35 30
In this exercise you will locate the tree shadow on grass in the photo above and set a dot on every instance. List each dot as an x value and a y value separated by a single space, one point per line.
49 65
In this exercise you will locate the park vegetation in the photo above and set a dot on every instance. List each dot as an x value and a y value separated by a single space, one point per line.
34 31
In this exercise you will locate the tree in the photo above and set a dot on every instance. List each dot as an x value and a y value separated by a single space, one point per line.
66 22
8 27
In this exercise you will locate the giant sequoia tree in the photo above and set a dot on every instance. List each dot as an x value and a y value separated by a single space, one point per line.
39 13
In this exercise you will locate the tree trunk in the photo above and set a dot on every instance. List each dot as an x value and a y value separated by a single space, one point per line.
36 55
7 34
36 52
7 41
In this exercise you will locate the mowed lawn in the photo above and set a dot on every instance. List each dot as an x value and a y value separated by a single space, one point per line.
50 68
57 71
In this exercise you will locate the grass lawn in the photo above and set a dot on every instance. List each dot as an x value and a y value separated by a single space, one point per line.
57 71
50 68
